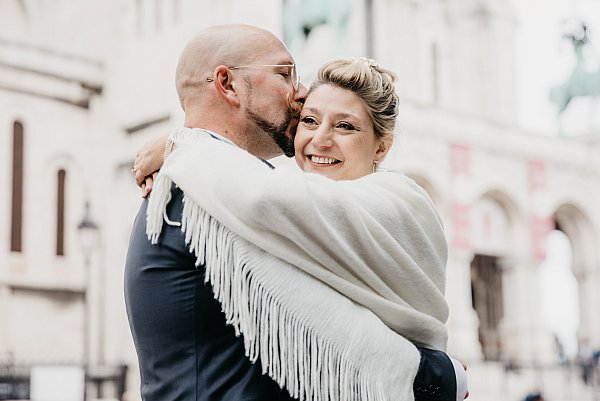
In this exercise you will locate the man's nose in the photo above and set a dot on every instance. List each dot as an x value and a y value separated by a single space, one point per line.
301 93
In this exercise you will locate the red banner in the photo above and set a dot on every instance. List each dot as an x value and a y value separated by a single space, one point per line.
541 228
461 224
460 159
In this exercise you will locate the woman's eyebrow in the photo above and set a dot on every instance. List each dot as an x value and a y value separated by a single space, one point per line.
346 115
337 115
311 109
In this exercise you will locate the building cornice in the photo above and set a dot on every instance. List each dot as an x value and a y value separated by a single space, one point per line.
49 74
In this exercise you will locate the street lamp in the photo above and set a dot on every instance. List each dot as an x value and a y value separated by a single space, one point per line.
88 237
88 233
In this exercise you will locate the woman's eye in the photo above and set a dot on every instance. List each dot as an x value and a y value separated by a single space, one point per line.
308 120
345 125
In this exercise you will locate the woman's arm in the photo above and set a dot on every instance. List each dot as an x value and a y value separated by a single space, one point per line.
148 161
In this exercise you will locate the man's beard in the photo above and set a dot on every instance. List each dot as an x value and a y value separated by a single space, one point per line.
277 132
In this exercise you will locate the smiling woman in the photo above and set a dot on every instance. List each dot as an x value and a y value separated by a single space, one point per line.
339 145
347 123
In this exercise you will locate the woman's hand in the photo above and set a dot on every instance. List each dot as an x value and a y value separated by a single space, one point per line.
147 163
147 184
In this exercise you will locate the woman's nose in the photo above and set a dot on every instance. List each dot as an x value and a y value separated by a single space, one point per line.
322 138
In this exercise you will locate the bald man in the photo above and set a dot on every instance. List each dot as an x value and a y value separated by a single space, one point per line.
255 110
186 350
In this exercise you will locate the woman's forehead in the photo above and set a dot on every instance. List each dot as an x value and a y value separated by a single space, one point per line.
333 99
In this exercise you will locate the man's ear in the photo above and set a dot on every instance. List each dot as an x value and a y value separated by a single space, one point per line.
226 85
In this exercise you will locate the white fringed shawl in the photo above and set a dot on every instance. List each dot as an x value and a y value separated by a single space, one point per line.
324 279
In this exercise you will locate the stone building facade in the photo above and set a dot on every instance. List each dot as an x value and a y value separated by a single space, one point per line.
84 84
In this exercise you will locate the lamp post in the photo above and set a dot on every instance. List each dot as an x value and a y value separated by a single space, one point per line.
88 237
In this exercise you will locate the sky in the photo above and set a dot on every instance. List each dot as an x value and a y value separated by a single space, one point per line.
545 60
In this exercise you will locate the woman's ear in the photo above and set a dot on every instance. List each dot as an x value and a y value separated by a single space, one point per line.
226 85
385 145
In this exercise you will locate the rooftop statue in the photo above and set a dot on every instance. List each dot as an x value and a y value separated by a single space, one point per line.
302 16
582 82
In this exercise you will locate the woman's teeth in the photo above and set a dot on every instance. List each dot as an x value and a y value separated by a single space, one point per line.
323 160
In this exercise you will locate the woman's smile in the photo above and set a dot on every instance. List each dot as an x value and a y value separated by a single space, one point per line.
322 161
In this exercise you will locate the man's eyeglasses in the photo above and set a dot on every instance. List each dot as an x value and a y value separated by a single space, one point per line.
293 72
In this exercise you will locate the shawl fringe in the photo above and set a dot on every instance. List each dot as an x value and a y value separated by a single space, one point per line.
291 341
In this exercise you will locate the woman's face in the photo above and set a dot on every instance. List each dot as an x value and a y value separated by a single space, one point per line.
335 136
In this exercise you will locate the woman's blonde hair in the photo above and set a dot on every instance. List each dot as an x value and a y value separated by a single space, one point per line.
371 83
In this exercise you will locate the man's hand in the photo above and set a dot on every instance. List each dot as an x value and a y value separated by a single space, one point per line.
465 367
148 161
462 383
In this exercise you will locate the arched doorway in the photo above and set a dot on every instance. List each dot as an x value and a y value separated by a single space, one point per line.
495 238
487 297
575 224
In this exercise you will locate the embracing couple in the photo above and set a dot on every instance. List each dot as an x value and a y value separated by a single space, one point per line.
246 282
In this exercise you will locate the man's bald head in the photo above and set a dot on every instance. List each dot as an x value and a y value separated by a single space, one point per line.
228 45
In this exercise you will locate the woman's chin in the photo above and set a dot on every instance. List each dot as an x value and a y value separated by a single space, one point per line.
329 172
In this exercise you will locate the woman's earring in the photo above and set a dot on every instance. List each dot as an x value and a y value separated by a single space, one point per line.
375 165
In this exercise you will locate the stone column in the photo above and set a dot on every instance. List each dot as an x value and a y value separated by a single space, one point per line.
463 324
536 343
524 337
4 322
593 307
588 281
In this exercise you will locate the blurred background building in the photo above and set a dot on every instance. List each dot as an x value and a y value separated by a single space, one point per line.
83 85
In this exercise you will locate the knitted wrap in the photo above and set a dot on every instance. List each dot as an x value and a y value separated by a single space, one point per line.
327 281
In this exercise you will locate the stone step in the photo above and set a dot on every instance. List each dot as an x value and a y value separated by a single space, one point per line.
490 381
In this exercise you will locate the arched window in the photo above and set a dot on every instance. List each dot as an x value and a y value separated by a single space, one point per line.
16 221
158 15
140 13
60 212
369 27
435 72
176 11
